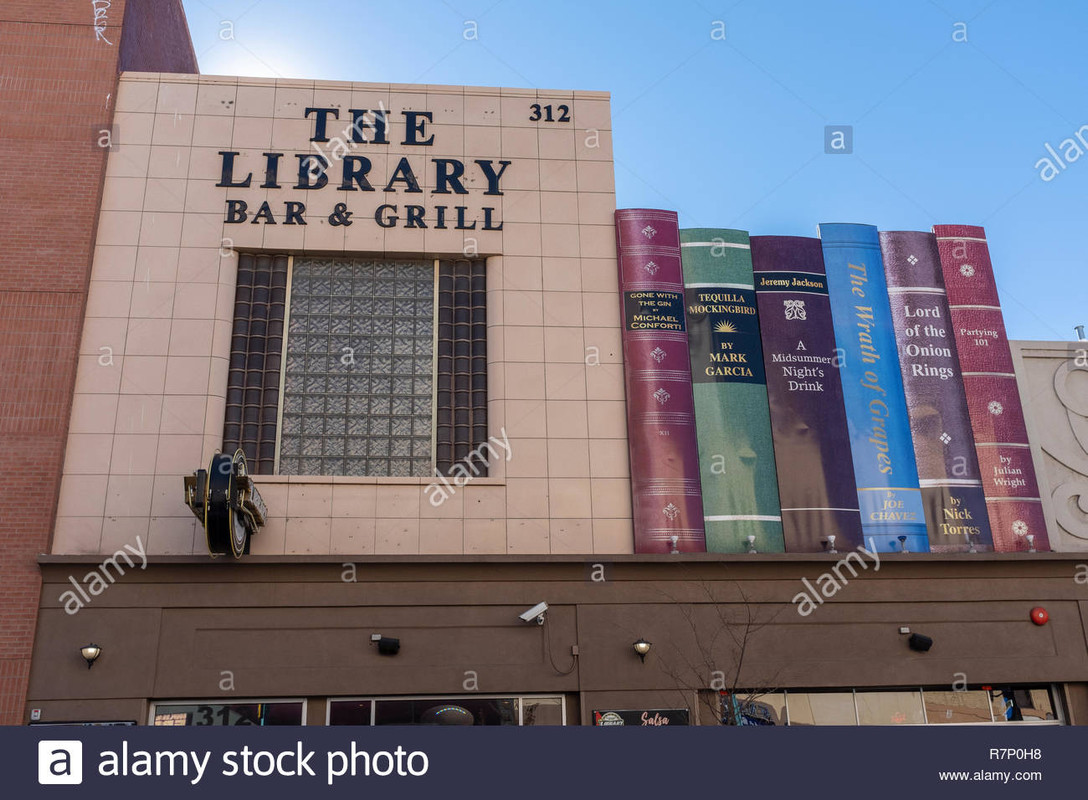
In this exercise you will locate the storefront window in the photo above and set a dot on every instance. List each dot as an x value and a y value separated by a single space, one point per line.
949 708
1017 704
754 709
890 708
351 712
541 711
453 711
821 708
1014 704
278 713
449 711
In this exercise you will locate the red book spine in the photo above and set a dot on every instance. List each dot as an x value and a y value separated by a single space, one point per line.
993 399
666 492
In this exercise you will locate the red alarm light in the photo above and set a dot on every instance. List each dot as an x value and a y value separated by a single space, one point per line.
1039 615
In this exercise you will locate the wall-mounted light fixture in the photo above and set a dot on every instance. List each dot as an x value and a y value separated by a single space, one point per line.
387 645
919 642
642 647
90 653
751 544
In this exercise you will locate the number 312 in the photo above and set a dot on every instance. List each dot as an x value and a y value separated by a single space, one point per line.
564 113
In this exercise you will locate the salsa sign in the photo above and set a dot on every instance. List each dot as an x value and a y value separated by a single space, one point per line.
652 718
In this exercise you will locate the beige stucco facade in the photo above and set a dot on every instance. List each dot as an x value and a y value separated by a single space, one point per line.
151 385
1053 378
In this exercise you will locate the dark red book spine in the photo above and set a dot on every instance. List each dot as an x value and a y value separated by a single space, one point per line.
993 399
665 487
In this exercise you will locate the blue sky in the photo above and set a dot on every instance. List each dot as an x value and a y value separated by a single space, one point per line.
730 132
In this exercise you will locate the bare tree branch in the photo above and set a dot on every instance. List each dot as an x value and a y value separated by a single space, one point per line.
700 667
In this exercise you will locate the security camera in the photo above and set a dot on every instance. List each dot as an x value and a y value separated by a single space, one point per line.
535 613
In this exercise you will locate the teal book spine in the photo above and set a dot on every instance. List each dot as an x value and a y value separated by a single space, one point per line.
741 511
892 514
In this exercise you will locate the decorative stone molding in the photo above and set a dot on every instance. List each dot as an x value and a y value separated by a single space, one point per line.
1053 379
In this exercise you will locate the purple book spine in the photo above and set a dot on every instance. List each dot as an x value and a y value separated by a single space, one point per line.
808 419
940 423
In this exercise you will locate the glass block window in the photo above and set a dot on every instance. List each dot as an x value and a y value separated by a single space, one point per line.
360 361
461 416
253 384
371 367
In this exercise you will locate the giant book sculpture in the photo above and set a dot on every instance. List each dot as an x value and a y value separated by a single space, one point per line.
993 399
811 444
892 516
944 446
667 503
736 453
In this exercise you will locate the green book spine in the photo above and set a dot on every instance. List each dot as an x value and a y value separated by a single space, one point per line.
732 415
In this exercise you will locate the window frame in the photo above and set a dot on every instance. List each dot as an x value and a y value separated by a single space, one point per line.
453 698
219 701
1056 698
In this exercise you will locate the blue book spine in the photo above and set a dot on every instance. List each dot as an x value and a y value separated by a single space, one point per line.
892 514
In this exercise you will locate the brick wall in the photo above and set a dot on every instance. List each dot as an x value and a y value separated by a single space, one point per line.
59 77
152 42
